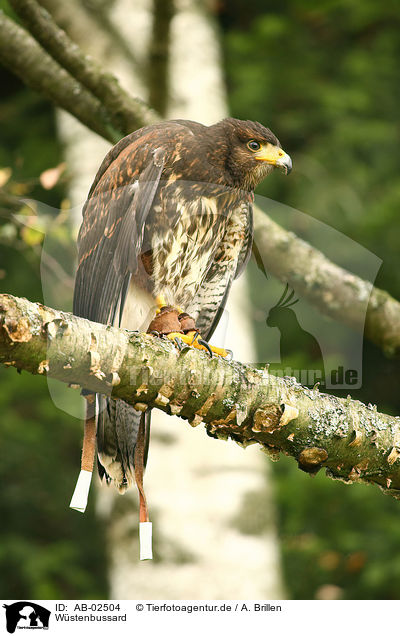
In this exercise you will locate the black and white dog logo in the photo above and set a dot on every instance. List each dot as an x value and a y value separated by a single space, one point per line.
26 615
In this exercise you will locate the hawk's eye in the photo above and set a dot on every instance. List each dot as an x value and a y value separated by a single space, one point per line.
253 145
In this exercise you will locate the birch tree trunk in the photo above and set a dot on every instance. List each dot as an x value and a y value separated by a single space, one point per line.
208 541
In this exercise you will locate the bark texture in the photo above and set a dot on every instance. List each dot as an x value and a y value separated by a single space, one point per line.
352 441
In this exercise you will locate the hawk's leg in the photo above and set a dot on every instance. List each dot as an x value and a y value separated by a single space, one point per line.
179 327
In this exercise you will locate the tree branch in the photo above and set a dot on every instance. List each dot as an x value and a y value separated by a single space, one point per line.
24 57
333 290
125 112
157 71
352 441
79 17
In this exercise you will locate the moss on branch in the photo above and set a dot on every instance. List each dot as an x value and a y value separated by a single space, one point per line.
352 441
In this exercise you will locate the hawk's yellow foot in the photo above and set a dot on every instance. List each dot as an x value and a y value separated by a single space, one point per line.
192 339
181 329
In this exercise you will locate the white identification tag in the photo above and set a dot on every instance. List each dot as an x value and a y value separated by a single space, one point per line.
81 492
145 540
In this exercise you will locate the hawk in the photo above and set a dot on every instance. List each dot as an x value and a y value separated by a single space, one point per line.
167 227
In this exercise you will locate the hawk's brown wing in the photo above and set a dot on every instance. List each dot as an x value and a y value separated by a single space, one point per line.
110 241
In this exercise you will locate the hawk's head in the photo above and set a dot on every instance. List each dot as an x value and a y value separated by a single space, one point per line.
249 151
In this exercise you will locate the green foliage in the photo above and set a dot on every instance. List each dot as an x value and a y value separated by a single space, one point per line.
47 550
338 535
325 76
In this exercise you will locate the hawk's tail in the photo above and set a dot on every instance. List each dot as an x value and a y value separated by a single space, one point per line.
122 442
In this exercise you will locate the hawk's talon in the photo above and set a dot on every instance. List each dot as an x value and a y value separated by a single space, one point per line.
205 344
195 337
178 343
191 340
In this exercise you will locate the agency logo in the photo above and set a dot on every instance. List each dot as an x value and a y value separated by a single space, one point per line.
284 318
26 615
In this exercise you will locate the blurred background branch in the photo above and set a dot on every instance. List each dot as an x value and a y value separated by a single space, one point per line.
157 68
334 291
22 54
125 112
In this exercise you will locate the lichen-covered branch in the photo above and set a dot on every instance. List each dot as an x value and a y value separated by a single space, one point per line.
352 441
333 290
125 112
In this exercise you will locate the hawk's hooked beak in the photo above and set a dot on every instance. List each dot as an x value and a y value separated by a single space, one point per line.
275 156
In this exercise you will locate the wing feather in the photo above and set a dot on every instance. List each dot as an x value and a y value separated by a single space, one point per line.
110 249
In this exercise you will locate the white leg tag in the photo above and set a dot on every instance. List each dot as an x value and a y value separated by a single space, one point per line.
145 540
81 492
